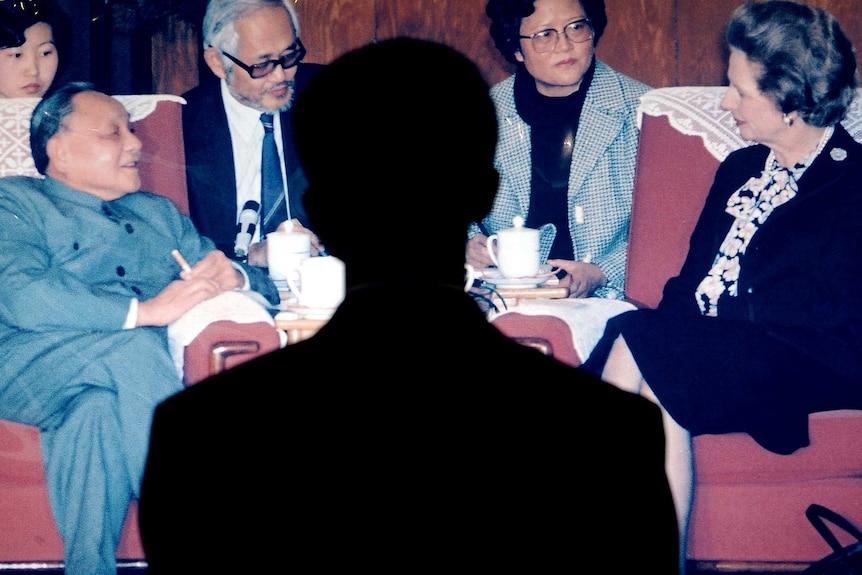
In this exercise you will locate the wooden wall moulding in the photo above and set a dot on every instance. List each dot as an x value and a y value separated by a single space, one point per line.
659 42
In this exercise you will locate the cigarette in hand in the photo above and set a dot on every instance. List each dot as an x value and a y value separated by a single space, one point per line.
181 260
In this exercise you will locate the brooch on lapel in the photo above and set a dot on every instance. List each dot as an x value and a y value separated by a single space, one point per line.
838 154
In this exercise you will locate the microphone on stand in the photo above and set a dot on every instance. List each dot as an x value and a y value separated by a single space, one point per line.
245 228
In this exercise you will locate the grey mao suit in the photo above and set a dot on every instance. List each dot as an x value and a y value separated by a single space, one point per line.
71 264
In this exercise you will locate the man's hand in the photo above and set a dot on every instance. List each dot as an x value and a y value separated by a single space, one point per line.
477 252
294 225
218 268
257 255
206 279
581 278
175 300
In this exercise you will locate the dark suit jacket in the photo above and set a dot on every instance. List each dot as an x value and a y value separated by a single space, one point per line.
800 268
209 161
408 432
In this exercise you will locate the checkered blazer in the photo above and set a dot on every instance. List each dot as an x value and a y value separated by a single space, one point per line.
600 180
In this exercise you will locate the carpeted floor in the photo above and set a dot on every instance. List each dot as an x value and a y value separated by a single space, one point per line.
784 569
692 569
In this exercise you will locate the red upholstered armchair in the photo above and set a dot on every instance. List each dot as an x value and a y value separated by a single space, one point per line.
547 333
28 535
749 503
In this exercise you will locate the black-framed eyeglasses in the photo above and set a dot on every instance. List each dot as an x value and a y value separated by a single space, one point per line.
546 40
292 58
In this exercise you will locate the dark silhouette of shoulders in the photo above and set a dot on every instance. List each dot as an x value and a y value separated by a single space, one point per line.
408 431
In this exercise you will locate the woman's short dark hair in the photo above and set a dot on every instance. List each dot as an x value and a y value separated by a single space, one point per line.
808 62
18 15
506 16
48 117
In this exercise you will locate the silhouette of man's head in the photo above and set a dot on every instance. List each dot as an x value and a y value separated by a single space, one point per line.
397 140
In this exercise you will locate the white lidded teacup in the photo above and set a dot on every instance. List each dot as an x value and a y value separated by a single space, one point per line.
285 251
515 250
321 282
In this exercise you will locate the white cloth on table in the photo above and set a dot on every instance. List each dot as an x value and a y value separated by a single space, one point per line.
239 306
586 317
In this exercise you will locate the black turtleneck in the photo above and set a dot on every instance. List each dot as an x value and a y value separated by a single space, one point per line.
553 125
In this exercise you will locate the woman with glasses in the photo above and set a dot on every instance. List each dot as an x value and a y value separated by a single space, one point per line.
28 48
568 140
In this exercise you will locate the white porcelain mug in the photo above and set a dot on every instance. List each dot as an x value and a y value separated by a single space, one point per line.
321 282
285 251
515 250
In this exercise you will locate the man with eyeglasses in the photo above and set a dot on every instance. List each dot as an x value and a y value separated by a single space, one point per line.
255 54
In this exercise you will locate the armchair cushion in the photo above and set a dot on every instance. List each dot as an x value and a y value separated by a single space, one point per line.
547 332
27 530
573 326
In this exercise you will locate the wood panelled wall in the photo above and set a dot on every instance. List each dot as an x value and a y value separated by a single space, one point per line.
660 42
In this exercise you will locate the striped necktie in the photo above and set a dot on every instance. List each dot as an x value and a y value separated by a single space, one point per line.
273 210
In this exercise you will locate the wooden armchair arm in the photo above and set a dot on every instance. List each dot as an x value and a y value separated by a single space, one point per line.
226 344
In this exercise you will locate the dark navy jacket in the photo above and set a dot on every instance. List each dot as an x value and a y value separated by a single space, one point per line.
210 170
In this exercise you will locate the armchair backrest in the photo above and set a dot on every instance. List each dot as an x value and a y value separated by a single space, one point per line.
156 120
684 136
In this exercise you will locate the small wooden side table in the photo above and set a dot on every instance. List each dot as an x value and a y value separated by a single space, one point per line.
490 299
298 329
513 296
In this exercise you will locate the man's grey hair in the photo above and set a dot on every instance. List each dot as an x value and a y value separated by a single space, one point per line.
219 26
48 118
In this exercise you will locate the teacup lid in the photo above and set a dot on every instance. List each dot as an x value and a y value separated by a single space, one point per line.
518 228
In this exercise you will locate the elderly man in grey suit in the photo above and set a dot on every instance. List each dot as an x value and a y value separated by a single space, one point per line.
88 287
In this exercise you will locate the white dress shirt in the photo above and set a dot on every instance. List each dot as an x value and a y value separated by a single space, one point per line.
246 134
